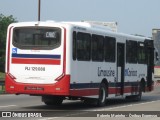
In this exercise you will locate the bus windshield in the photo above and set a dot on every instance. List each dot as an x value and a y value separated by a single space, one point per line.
36 37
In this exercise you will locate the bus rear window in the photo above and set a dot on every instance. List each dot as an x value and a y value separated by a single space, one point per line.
36 38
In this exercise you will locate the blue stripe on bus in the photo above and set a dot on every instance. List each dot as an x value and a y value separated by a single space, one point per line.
96 85
84 85
36 56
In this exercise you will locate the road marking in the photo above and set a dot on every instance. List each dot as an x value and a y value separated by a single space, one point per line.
105 109
130 105
7 106
68 115
51 118
7 95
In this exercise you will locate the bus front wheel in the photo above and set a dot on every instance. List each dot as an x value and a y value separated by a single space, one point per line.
102 95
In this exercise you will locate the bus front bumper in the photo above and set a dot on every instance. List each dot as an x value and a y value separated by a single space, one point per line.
61 87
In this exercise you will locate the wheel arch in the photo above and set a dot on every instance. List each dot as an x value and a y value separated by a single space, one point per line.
143 84
105 81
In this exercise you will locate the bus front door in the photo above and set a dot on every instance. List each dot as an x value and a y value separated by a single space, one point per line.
150 62
120 68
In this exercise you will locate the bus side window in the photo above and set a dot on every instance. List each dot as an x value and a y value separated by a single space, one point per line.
74 51
97 48
109 50
141 53
83 46
131 51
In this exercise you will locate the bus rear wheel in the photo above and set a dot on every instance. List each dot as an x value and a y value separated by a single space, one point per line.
52 100
102 95
139 96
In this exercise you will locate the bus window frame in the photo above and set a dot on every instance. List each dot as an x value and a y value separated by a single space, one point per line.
38 47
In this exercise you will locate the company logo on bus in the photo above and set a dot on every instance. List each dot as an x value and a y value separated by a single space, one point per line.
108 73
14 50
129 72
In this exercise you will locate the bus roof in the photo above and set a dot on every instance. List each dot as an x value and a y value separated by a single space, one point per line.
84 24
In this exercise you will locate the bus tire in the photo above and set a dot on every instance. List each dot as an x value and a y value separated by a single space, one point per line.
139 96
102 95
52 100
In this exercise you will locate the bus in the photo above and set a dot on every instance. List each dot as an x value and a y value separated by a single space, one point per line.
77 61
156 38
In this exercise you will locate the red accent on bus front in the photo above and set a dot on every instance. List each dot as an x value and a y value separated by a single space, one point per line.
156 66
59 88
35 61
60 77
11 76
84 92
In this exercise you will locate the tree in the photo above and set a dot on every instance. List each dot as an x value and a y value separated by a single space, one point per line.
4 22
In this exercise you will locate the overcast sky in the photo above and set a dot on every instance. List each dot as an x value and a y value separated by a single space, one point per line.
133 16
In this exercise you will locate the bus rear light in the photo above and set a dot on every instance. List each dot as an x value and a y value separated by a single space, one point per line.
58 88
12 87
60 77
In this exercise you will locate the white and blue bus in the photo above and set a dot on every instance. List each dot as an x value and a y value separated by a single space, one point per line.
77 60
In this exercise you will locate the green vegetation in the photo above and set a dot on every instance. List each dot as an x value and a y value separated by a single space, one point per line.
2 75
2 87
4 22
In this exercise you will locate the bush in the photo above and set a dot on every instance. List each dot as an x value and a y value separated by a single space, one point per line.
4 22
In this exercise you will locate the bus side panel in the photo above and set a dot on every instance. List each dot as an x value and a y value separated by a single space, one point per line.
87 76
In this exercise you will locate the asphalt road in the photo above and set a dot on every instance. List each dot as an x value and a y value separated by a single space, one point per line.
24 103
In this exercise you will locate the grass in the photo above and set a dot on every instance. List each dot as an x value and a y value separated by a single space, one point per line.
2 76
